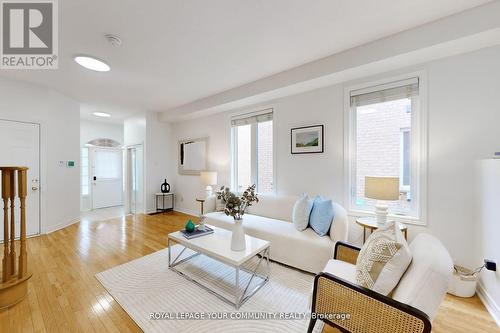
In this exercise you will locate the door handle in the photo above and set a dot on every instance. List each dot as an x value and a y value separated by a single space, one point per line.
34 188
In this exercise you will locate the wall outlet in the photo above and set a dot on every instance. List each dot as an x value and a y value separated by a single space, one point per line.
490 265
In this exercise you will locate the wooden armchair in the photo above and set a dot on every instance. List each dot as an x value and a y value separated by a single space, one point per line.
368 311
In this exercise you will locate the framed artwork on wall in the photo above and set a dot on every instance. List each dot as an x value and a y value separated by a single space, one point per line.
307 140
193 156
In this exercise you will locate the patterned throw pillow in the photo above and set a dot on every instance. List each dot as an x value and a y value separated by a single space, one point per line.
383 259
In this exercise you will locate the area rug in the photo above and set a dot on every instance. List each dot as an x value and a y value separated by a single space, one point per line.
160 300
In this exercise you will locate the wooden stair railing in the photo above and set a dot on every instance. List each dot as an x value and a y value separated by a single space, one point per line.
14 283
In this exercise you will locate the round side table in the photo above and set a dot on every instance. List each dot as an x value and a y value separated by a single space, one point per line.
370 223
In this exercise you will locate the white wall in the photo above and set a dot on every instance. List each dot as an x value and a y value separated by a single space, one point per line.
488 231
188 188
288 113
134 133
90 130
59 119
134 129
158 158
145 128
463 114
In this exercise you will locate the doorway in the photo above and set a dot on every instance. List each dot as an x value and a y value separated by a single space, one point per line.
135 179
20 146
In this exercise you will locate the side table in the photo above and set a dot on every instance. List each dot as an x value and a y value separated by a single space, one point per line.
163 196
370 223
201 201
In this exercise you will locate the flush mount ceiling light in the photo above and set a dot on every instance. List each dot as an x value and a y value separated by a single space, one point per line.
92 63
101 114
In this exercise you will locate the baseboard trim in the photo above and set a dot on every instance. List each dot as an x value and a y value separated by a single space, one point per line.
489 303
61 226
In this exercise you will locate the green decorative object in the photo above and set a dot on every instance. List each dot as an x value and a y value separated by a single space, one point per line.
190 226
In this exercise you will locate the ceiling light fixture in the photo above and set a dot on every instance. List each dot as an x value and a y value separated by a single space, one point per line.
101 114
92 63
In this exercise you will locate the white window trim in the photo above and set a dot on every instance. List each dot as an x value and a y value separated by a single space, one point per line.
419 135
88 173
402 187
233 145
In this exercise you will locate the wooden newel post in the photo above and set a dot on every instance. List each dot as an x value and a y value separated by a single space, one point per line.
5 197
22 186
12 223
14 284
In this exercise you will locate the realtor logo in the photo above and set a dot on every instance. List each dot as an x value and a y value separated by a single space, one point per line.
29 34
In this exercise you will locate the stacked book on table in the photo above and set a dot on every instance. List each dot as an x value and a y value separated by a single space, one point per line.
197 232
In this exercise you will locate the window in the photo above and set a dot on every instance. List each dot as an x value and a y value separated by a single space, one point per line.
84 171
107 164
253 151
384 140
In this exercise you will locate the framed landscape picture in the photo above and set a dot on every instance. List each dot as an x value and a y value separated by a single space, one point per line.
307 140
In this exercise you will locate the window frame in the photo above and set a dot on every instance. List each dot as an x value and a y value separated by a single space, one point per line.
402 186
419 147
87 185
234 146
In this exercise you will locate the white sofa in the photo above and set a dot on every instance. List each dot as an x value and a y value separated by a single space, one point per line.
270 219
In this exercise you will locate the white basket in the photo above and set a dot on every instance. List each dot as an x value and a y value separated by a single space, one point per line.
463 283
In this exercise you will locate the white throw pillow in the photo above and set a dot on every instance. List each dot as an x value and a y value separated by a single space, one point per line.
301 212
383 259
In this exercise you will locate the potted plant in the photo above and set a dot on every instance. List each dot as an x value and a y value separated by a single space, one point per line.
236 207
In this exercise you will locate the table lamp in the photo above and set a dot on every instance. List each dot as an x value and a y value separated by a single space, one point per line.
382 189
208 178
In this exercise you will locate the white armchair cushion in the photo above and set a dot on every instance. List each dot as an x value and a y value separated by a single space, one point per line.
341 269
383 259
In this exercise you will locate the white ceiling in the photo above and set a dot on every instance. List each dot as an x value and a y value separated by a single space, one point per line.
175 52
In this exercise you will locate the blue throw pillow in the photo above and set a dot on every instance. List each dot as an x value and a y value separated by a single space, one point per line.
321 216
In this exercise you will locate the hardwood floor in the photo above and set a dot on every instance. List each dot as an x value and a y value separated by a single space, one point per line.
64 296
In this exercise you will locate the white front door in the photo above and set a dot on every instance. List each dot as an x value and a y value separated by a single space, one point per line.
20 146
106 173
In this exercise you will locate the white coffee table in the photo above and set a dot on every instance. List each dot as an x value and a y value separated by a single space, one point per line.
218 246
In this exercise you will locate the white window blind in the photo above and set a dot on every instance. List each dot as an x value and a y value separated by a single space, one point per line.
385 92
252 118
107 164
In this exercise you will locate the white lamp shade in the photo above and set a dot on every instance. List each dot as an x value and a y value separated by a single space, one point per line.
208 178
382 188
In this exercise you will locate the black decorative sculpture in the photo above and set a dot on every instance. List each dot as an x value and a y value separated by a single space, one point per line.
165 187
